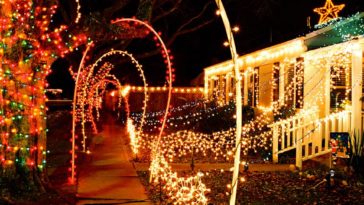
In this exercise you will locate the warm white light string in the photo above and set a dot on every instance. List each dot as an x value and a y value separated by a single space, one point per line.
179 191
85 91
78 11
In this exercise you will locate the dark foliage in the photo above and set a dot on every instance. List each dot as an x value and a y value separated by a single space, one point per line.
284 112
357 155
220 119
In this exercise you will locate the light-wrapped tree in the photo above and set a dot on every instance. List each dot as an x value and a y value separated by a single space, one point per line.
27 49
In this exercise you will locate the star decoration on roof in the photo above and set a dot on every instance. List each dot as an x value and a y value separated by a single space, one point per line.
329 11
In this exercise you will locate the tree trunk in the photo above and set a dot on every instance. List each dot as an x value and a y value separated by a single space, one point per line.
27 50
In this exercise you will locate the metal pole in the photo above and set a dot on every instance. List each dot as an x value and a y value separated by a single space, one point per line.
238 79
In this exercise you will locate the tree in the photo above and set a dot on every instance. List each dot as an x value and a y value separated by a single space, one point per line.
28 47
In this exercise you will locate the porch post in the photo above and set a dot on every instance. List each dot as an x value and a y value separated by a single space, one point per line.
356 91
246 77
206 86
227 87
275 144
299 139
220 89
281 85
327 90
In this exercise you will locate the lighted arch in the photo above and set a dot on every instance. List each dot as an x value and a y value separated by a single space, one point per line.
169 66
89 72
159 166
94 95
238 101
93 92
73 155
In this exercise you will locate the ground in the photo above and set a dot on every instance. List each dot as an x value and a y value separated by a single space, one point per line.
109 176
273 188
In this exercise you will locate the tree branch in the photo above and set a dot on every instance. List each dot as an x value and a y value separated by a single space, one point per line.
160 3
194 18
166 13
186 31
170 41
117 5
182 30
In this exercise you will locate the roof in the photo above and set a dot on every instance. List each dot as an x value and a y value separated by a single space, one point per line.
334 32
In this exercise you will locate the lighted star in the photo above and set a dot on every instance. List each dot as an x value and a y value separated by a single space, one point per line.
329 11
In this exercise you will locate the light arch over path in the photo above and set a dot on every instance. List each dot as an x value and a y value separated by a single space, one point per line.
89 75
169 67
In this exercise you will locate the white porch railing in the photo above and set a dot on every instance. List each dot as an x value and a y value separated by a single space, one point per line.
308 134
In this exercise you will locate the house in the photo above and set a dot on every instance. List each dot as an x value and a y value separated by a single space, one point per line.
319 76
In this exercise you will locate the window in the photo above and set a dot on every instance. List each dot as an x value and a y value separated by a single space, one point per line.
253 90
256 87
215 88
242 89
289 86
275 83
299 83
340 84
294 84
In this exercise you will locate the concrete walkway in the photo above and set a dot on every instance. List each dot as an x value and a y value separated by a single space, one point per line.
109 177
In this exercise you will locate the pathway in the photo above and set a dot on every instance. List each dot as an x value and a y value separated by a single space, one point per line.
109 177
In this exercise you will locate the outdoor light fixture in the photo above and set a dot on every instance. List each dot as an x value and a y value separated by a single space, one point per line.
332 173
246 167
236 29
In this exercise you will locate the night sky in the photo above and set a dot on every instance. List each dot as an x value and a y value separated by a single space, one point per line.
262 23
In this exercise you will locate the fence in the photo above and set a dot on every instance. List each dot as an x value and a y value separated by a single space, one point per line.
308 134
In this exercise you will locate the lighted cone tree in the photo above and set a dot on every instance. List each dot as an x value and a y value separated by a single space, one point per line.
27 49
